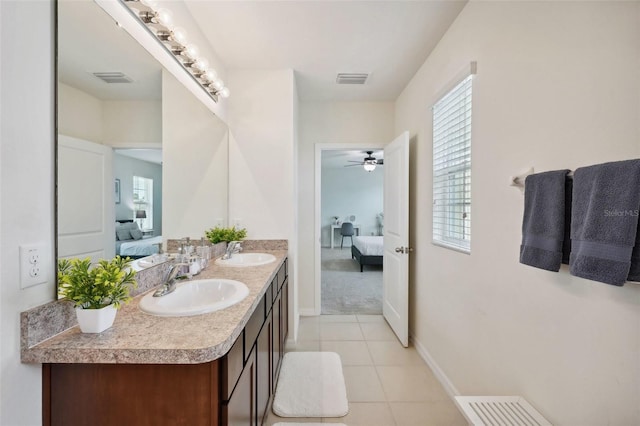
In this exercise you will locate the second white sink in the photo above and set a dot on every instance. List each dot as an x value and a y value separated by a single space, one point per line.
247 259
195 298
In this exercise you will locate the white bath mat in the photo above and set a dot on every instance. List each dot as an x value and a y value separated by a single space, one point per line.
308 424
311 384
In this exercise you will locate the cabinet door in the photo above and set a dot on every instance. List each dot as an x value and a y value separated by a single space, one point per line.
284 313
240 410
276 348
263 368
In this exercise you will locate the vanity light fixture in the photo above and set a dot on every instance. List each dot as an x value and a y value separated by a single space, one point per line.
159 21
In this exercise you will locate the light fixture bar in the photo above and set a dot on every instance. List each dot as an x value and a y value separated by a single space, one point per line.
159 22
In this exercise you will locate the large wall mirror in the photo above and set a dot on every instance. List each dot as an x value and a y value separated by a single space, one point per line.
140 159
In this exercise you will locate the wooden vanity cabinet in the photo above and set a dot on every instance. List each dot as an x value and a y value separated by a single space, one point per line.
234 390
263 351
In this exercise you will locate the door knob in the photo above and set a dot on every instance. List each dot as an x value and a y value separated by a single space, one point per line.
405 250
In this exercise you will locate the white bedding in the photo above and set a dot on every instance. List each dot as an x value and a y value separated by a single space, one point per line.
369 246
143 247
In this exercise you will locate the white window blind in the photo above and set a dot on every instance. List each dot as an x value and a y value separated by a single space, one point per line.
452 168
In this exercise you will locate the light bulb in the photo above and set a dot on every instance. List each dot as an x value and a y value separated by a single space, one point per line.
164 17
211 75
217 84
369 167
202 64
192 51
225 92
179 35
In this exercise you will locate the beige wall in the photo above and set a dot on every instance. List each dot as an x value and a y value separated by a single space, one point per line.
557 87
329 123
121 124
261 151
194 174
80 115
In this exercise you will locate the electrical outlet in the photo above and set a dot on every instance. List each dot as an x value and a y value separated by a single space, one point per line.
31 265
237 222
219 222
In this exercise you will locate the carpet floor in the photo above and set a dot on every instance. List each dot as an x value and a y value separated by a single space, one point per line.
346 290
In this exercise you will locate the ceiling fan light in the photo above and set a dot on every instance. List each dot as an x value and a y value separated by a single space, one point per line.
369 167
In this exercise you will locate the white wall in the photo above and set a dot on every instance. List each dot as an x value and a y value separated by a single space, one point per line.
80 115
351 191
123 124
26 188
557 87
261 152
349 123
132 123
195 153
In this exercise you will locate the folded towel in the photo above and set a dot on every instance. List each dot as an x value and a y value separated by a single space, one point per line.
543 226
604 221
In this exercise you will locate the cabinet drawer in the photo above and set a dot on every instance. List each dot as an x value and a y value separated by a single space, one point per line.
252 329
232 366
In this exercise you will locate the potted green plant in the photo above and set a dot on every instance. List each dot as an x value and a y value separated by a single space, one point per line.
220 234
97 292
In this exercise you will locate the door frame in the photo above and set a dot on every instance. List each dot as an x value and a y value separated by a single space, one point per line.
319 147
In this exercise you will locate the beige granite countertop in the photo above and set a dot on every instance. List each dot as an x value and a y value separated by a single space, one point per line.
140 338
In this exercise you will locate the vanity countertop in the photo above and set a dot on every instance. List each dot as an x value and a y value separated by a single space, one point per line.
140 338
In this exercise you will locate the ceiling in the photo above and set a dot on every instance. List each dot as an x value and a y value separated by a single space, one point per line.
90 41
318 39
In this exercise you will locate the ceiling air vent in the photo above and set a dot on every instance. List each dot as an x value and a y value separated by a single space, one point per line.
351 78
113 77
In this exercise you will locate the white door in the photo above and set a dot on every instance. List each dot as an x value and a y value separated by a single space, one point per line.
86 209
395 299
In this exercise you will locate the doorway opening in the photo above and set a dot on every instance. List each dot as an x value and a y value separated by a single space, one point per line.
351 220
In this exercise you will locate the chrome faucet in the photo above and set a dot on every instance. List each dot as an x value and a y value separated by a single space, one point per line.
232 247
169 285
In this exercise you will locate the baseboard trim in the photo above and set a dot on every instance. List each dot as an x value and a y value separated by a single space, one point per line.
437 371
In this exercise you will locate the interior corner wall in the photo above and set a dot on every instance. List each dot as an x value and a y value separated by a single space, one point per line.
261 111
329 123
27 187
195 151
557 87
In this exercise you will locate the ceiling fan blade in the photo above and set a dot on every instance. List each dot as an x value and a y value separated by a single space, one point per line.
380 162
354 161
351 165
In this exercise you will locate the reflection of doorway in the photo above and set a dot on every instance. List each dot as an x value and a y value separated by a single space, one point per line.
349 192
140 175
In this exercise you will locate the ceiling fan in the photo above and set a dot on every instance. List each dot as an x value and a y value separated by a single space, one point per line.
369 163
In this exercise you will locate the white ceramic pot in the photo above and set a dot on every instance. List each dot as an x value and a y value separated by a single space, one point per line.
96 320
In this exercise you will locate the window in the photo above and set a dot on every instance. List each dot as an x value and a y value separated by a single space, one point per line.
452 168
143 201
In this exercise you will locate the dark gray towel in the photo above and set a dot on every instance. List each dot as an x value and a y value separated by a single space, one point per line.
546 211
604 221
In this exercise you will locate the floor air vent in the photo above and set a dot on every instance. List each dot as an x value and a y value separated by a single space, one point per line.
113 77
351 78
500 410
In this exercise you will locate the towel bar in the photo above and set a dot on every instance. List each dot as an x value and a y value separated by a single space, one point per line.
518 180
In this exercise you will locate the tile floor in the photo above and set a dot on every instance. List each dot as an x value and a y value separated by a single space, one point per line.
387 385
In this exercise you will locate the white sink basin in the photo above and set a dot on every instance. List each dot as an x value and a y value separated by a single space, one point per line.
247 259
195 298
